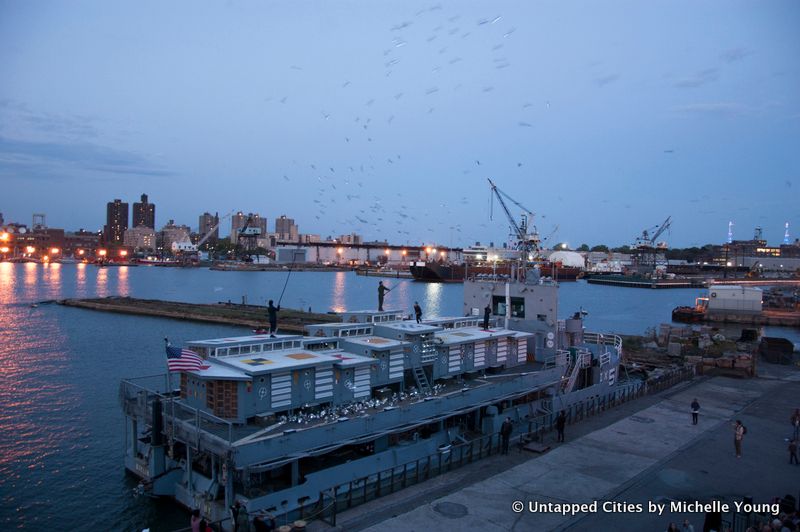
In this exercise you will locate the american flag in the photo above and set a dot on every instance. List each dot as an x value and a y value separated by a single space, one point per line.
179 359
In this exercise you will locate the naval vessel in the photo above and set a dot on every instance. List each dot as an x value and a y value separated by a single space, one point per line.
295 425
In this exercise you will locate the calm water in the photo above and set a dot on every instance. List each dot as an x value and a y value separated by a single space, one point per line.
60 425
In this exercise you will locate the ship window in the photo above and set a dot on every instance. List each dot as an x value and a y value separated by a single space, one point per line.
244 349
541 317
222 352
517 306
266 347
233 351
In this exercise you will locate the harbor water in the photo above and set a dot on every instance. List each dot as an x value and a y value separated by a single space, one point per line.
60 367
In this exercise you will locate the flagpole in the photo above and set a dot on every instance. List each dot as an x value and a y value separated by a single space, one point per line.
168 376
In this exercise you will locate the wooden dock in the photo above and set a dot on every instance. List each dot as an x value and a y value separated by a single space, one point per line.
252 316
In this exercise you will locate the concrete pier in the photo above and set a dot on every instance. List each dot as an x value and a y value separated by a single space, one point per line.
226 313
647 451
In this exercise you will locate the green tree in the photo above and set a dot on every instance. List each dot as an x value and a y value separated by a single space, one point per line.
583 247
600 247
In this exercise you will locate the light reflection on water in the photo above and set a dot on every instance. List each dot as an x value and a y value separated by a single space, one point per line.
101 281
123 287
339 283
433 300
80 280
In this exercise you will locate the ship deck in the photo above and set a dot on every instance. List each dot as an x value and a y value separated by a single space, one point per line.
262 426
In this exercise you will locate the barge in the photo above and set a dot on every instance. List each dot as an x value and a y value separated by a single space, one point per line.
287 425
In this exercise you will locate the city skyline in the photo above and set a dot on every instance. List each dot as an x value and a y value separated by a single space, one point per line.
386 120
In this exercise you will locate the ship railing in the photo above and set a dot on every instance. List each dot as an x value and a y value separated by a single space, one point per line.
136 397
611 340
561 358
181 421
191 425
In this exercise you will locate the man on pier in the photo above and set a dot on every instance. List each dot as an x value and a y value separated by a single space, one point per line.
505 434
486 313
417 311
272 311
381 293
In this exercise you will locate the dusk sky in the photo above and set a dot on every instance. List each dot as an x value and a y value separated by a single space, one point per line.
386 118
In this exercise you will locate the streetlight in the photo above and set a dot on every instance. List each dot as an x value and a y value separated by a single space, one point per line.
55 251
102 252
30 249
123 253
4 237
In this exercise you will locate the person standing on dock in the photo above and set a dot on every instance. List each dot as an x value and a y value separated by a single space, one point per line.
417 311
561 422
738 435
486 313
505 433
695 411
381 293
272 312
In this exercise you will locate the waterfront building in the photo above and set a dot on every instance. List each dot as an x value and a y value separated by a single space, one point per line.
307 238
257 226
352 238
81 243
171 234
45 241
144 213
116 222
141 239
286 229
208 223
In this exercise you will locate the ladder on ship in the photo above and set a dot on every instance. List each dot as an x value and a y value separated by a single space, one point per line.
581 360
422 380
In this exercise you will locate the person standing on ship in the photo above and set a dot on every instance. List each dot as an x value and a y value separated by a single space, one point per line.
381 293
272 312
695 411
417 311
486 313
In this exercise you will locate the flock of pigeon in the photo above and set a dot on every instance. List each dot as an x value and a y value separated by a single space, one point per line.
358 197
336 413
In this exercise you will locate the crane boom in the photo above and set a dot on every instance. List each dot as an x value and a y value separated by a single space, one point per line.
527 244
664 226
519 232
211 231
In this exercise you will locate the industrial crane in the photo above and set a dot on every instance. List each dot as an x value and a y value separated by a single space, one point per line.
211 231
528 243
249 234
647 258
188 252
646 240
